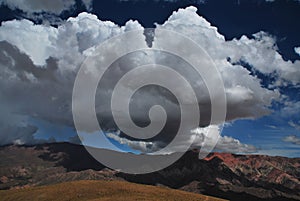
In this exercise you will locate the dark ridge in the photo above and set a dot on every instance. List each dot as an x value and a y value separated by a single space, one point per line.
76 157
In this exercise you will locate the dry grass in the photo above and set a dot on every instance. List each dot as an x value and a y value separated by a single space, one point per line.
100 191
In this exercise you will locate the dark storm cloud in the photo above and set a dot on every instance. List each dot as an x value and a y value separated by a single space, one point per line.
46 6
46 11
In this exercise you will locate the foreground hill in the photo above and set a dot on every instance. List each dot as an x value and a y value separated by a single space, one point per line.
100 191
228 176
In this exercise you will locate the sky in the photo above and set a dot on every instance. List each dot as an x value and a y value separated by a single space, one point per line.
255 45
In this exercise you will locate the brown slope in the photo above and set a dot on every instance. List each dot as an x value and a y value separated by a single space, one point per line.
101 191
48 164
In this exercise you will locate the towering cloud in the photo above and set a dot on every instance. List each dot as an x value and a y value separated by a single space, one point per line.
39 64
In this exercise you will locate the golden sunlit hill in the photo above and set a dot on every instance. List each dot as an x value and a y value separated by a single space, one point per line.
100 190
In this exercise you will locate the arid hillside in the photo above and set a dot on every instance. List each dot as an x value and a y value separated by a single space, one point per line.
100 191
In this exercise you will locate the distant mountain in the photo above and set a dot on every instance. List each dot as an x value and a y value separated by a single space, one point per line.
228 176
234 177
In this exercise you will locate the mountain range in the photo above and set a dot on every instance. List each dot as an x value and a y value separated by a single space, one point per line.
222 175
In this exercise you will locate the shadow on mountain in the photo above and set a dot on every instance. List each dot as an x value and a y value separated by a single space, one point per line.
71 156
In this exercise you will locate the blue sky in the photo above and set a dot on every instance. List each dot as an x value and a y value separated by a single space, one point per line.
270 134
266 134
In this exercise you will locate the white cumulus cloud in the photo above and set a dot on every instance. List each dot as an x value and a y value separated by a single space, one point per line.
196 138
297 50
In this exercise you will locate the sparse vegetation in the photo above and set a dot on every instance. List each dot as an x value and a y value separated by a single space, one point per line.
100 191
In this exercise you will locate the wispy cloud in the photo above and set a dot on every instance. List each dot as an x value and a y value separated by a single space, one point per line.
294 124
272 126
292 139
